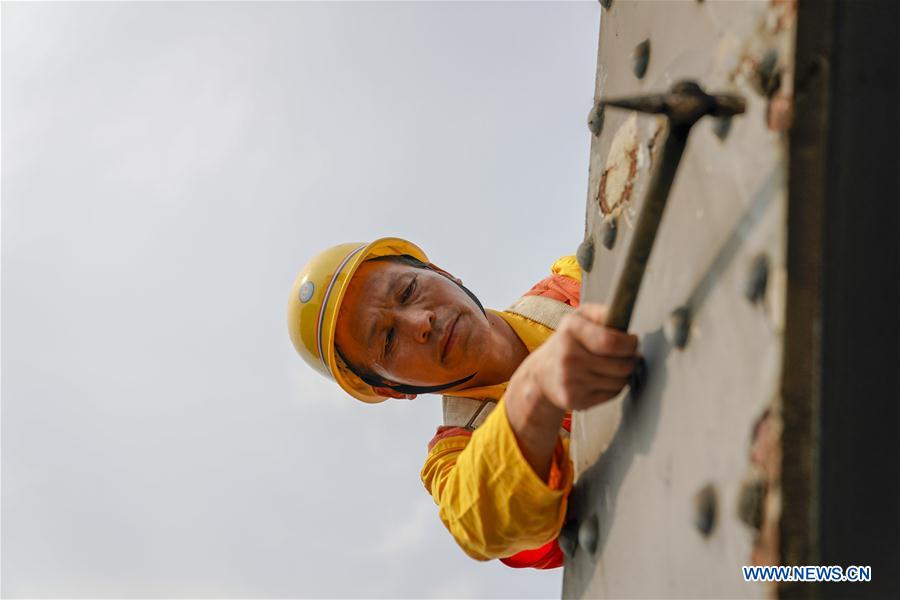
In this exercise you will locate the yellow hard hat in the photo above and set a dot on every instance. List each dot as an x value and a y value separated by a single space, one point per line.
315 301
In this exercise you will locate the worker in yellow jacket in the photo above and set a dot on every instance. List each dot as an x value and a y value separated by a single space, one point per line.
384 322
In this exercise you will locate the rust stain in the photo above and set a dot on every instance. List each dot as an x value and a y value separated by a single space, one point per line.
760 502
620 196
617 178
746 65
785 13
763 62
761 67
601 194
780 113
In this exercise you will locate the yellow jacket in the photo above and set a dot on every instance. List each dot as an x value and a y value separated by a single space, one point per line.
490 498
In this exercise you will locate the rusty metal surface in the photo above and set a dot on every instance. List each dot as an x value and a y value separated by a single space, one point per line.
678 486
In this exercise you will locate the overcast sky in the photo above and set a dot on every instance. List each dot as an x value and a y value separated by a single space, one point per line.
166 171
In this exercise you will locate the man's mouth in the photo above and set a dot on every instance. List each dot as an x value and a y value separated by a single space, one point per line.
449 338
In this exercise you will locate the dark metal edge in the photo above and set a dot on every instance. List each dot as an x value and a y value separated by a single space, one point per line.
841 383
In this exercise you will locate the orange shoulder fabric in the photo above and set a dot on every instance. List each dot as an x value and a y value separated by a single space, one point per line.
563 285
558 287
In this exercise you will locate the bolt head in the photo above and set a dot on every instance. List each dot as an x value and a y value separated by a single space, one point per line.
589 534
705 509
595 119
585 255
722 127
757 280
608 234
638 376
678 327
640 59
751 501
768 75
568 538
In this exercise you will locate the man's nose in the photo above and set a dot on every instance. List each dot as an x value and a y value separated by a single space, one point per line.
420 323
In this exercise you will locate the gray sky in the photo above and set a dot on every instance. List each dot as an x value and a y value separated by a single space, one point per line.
166 170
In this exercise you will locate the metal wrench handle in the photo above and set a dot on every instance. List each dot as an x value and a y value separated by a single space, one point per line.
629 283
685 104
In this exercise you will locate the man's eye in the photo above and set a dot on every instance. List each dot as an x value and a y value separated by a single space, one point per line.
388 341
408 291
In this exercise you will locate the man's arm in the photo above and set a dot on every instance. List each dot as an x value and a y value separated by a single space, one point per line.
505 489
490 498
581 365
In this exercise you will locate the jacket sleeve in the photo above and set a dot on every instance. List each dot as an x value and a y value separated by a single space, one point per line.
490 498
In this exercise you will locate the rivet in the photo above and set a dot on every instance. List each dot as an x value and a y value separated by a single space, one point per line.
585 254
608 234
768 77
678 327
589 533
705 509
751 500
721 127
568 538
755 289
638 376
640 58
595 119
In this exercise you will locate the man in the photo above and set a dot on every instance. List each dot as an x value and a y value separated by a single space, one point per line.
384 322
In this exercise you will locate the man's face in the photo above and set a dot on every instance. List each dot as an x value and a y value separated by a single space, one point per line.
410 326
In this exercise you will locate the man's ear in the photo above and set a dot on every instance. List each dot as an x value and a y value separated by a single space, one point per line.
392 393
437 269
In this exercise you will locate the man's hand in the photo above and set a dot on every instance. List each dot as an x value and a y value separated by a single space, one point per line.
581 365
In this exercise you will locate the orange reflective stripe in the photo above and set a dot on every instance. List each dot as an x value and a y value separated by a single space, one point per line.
445 431
548 556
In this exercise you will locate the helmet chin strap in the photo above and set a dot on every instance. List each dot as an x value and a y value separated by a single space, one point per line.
473 297
414 389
